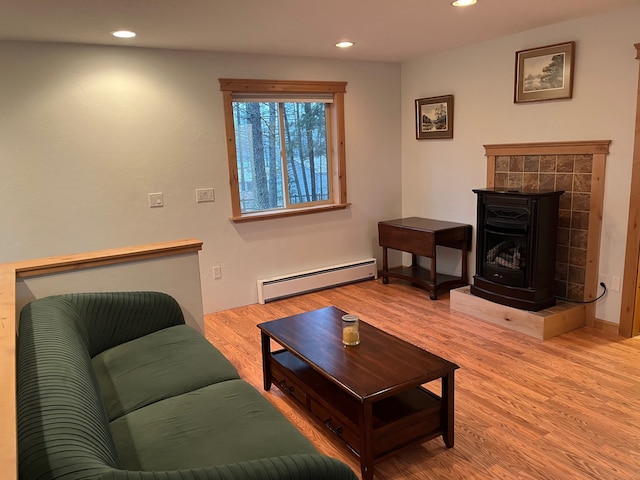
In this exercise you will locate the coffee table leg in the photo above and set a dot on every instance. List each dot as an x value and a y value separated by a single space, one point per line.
366 456
266 364
447 409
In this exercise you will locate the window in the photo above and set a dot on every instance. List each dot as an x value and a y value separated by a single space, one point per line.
285 143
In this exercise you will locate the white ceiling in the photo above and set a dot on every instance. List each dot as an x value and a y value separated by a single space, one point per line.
383 30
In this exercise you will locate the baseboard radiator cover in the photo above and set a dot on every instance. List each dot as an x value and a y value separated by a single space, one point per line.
284 286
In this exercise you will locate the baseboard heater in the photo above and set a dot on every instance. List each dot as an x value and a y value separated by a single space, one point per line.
275 288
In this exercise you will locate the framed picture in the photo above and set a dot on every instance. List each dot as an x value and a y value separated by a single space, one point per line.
434 117
544 73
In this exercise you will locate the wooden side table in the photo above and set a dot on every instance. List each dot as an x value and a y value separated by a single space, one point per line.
420 237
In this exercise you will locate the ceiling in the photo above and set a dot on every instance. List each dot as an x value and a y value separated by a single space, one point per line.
383 30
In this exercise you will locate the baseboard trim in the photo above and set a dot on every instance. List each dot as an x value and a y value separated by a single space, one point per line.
607 327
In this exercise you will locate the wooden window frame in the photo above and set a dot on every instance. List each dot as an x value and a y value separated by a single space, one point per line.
335 139
630 309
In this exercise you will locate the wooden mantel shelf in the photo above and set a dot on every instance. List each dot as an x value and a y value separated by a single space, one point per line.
9 273
550 148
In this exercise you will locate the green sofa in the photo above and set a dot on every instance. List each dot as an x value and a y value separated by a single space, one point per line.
115 386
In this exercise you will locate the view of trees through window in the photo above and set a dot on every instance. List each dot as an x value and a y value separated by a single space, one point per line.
282 154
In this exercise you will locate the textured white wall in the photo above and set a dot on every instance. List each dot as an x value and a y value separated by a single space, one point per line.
155 274
438 175
86 132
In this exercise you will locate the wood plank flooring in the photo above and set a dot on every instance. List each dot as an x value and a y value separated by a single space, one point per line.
563 408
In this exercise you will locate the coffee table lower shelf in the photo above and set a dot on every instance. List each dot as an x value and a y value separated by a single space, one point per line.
408 417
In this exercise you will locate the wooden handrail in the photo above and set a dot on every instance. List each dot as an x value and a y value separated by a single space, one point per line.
78 261
9 273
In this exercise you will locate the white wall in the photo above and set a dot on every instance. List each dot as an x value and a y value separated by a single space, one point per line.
438 175
155 274
86 132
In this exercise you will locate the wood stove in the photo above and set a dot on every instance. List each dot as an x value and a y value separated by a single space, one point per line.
516 247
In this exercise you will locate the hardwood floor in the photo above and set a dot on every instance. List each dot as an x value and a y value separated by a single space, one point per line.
564 408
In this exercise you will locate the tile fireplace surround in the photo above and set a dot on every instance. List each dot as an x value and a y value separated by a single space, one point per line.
577 168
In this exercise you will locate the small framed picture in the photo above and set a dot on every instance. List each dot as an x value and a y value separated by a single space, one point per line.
434 117
544 73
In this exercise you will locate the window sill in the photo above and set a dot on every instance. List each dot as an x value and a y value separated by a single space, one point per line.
253 217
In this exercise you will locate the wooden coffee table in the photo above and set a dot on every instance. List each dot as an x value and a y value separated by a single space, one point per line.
370 395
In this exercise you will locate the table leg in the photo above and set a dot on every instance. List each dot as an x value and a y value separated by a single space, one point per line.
385 266
366 435
434 292
464 262
446 418
266 365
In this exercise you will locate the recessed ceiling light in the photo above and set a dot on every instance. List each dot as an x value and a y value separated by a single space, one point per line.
345 44
124 34
463 3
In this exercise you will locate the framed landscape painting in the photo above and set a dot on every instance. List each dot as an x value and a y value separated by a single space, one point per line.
544 73
434 117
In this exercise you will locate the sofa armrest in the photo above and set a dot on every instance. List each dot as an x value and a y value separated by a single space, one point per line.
290 467
112 318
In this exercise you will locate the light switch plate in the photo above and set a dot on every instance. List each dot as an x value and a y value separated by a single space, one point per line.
156 200
205 195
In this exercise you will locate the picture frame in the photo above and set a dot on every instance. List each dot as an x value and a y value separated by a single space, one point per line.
434 117
544 73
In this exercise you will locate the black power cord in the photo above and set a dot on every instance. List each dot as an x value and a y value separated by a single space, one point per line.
604 292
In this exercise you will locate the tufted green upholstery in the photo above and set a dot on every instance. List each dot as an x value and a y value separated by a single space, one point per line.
158 366
72 347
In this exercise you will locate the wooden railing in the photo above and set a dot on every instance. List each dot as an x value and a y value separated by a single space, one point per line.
9 273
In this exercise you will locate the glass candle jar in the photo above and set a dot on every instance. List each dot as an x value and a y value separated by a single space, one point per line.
350 330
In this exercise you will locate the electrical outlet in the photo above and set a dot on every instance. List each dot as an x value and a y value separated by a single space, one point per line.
156 200
217 272
615 284
604 279
205 195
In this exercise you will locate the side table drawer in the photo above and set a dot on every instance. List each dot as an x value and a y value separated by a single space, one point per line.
406 240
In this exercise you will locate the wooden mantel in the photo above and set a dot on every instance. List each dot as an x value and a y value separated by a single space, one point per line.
9 273
598 149
549 148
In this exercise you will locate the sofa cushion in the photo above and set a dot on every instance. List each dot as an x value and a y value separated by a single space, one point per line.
219 424
160 365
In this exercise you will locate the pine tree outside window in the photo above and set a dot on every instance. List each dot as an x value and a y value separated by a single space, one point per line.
285 142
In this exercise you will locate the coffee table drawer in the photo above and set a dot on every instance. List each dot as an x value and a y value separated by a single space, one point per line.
336 423
288 384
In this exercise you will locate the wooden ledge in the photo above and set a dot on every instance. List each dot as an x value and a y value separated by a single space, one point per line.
78 261
252 217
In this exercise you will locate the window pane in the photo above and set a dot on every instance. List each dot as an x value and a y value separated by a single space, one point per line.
284 163
257 129
307 158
